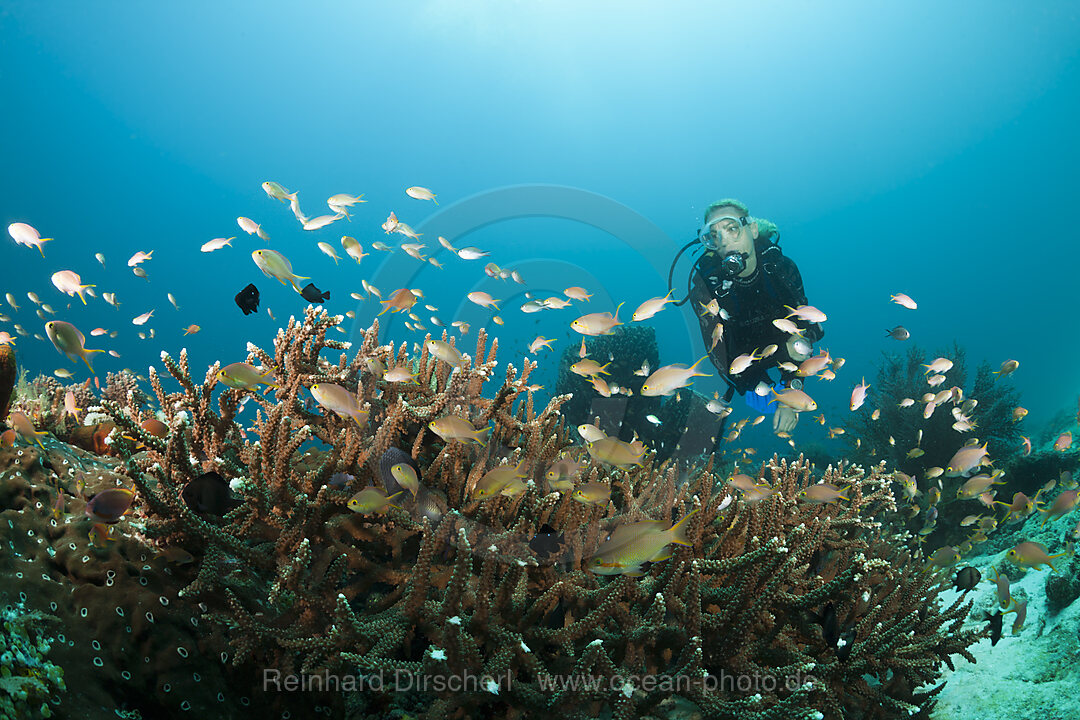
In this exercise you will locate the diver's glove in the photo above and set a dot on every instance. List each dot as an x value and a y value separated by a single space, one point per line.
762 403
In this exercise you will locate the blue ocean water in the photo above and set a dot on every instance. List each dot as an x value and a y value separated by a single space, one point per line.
898 149
922 148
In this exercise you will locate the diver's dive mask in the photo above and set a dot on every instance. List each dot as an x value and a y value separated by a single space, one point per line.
725 226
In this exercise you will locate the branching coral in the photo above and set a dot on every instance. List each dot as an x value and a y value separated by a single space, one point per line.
302 584
904 378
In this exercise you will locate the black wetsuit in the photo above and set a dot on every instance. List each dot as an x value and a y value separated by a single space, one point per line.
752 304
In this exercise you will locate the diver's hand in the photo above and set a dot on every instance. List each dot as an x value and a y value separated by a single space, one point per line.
784 419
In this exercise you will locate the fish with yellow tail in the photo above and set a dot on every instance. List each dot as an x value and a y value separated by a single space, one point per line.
967 459
614 451
823 493
69 340
1063 505
497 480
24 428
275 265
795 399
1033 555
650 307
372 500
592 493
242 376
401 300
406 477
339 401
28 236
668 379
445 352
630 546
69 282
454 427
597 323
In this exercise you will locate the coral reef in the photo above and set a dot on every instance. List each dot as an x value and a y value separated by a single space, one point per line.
123 637
292 579
1064 588
27 678
685 428
915 444
905 377
9 372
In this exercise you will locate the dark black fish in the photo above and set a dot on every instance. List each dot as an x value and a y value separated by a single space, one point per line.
340 479
389 459
995 628
248 299
546 541
209 493
431 503
967 578
313 294
830 626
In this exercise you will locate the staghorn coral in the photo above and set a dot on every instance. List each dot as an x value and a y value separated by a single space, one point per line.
123 389
686 428
301 584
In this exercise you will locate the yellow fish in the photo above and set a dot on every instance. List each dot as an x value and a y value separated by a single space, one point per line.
454 427
241 376
592 493
615 452
69 340
631 546
372 500
497 480
275 265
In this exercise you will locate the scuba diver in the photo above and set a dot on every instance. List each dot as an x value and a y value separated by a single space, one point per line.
751 280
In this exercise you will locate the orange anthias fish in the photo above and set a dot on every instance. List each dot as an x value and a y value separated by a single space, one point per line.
1063 505
1034 555
400 300
597 323
858 395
